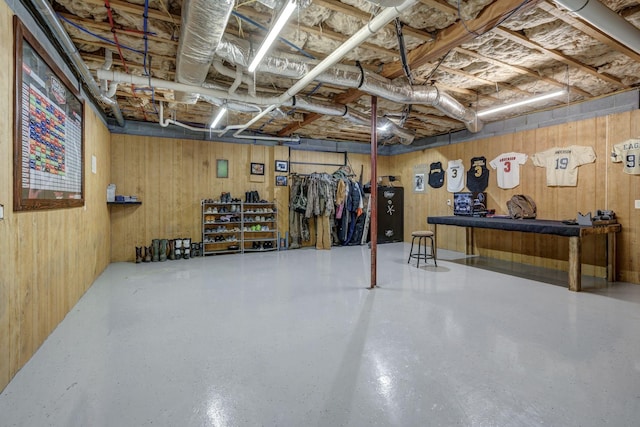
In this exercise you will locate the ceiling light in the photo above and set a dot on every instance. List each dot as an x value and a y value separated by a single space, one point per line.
383 126
521 103
221 113
273 33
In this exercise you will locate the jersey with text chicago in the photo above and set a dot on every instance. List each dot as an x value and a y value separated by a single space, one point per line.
507 166
562 164
455 176
629 153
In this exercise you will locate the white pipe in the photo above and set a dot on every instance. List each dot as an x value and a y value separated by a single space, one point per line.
386 16
606 20
166 122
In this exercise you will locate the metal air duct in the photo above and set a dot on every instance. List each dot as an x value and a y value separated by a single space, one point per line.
203 24
54 25
236 51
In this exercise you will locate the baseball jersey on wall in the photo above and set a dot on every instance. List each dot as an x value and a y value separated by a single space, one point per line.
507 166
629 153
455 176
436 175
478 175
562 164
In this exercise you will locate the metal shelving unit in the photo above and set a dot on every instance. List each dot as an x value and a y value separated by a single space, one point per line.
260 227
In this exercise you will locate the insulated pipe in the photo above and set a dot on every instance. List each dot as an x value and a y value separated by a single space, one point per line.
606 20
50 18
203 24
386 16
220 68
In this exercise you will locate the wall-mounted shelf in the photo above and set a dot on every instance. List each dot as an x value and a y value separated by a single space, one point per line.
124 203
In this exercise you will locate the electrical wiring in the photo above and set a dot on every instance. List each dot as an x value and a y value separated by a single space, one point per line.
97 36
507 16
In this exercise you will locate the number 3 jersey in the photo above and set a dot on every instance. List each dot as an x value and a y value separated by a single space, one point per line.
478 175
562 164
507 166
629 153
455 176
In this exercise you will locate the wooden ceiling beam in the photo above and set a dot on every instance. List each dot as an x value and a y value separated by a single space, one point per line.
521 70
456 35
138 10
589 30
441 6
554 54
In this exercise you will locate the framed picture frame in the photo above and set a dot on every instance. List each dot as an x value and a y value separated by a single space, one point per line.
281 181
48 130
222 168
282 166
257 168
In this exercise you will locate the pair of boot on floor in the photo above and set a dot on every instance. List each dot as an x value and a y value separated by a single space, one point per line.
161 249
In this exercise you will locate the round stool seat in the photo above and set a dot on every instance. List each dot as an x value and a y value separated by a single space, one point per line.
422 233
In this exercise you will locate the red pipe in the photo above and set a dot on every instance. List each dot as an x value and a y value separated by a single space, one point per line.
374 191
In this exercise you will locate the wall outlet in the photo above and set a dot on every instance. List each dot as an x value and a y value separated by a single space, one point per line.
94 164
637 204
448 202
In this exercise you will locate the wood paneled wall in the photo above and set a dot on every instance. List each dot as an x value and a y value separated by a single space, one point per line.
48 258
601 185
172 176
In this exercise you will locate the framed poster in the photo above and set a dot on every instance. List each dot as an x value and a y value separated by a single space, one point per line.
257 168
48 129
282 166
222 168
281 180
420 177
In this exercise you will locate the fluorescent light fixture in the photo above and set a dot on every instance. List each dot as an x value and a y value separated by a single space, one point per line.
273 33
221 113
384 127
521 103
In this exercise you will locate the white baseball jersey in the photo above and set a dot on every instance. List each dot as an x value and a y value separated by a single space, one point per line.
562 164
455 176
507 166
629 153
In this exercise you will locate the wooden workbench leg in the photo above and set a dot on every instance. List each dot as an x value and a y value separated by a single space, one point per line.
612 273
575 263
469 250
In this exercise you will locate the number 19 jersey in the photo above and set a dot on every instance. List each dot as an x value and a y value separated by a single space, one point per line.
562 164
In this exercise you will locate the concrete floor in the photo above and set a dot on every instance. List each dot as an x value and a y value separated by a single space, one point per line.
294 338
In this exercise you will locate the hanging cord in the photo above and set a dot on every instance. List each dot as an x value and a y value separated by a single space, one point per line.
406 110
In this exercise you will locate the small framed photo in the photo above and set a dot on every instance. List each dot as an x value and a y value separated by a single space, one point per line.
282 166
257 168
281 181
222 168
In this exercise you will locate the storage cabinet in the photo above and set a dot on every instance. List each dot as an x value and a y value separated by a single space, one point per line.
238 227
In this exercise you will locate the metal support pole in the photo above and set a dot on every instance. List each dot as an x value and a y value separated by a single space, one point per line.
374 191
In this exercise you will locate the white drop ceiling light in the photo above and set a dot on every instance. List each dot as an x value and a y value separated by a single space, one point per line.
273 33
221 114
526 101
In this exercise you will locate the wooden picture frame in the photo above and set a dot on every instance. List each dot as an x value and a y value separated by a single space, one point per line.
48 130
282 166
222 168
281 181
257 168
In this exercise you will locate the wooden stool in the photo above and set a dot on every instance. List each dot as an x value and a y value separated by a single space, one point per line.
422 237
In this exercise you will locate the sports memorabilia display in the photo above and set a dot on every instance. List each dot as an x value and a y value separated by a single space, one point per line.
470 203
436 175
629 153
507 166
562 164
478 174
455 176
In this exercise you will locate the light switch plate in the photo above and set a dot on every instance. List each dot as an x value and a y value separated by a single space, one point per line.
1 211
94 164
637 204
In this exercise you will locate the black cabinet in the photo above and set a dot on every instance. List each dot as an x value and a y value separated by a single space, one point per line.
390 214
